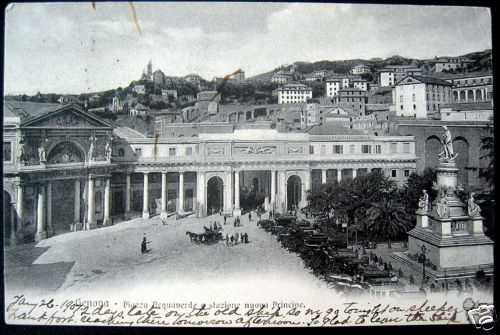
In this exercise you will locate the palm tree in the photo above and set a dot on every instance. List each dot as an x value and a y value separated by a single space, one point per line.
386 220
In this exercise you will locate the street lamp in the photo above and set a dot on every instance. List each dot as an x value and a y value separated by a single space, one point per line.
424 250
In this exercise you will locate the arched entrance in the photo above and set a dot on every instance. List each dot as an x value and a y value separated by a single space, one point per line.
215 195
293 192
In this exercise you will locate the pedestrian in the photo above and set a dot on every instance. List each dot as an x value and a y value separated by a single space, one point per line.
246 237
227 239
235 222
220 213
144 247
232 239
237 237
249 216
225 218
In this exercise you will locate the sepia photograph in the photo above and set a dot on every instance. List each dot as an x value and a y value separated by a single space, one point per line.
248 164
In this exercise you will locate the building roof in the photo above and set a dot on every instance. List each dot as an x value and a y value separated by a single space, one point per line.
333 130
140 106
427 80
350 89
469 106
300 87
127 133
27 110
361 65
448 76
359 80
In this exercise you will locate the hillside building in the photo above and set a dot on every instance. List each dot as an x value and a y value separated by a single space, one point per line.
421 97
294 93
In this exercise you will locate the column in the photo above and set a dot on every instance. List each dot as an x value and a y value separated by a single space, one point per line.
145 197
180 203
13 214
282 192
237 210
339 175
127 196
474 94
273 189
19 207
200 186
323 176
49 209
354 173
228 193
163 213
77 205
306 186
107 190
40 214
91 204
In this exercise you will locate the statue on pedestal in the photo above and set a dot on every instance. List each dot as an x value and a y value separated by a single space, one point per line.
447 154
423 202
92 146
472 208
41 149
107 149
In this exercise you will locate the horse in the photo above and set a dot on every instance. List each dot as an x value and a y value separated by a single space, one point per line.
192 236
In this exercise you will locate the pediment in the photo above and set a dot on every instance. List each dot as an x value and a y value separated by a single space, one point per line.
409 80
67 117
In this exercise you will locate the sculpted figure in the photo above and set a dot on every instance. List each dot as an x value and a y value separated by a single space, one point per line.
447 153
442 208
41 150
107 149
423 202
92 146
472 208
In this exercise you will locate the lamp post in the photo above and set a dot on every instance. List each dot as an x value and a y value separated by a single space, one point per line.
356 223
424 250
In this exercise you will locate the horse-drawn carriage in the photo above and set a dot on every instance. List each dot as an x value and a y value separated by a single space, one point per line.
209 236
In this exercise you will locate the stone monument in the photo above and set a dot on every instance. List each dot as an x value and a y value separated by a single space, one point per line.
451 231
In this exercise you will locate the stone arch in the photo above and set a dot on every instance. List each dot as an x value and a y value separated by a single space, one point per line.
233 117
66 152
241 116
462 95
293 192
478 95
215 194
470 95
461 148
432 149
248 115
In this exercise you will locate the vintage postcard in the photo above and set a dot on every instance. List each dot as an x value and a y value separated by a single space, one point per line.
260 164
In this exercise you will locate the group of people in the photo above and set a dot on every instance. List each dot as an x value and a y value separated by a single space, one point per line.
215 225
237 222
237 238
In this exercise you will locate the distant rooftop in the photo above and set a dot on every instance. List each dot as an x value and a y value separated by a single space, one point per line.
333 130
127 133
27 110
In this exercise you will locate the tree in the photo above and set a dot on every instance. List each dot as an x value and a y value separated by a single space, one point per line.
411 192
387 220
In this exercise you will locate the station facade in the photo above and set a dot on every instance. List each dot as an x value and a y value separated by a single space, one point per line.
68 170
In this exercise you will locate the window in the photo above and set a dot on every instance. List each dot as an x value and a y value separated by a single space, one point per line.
406 148
7 151
189 151
366 149
171 152
378 149
414 106
401 107
394 173
394 148
407 173
338 149
121 152
351 148
413 98
323 149
138 152
311 149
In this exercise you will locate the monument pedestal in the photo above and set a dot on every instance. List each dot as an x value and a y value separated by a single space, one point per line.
454 242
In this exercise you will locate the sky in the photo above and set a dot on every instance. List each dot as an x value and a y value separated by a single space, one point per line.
72 48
